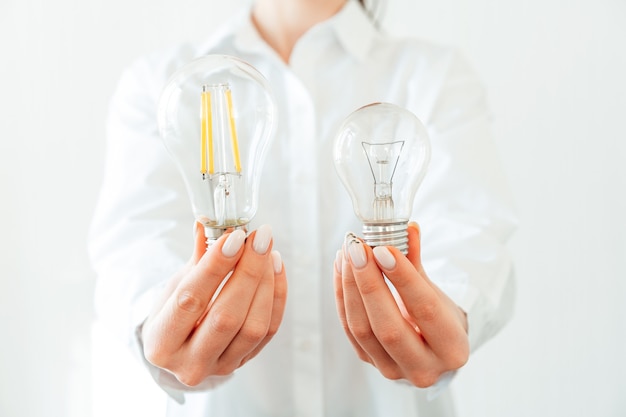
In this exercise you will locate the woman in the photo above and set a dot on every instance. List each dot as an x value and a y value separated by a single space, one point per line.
342 346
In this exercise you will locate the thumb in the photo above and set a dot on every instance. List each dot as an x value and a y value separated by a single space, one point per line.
415 252
200 245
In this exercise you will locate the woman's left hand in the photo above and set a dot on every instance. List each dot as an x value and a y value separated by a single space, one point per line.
417 334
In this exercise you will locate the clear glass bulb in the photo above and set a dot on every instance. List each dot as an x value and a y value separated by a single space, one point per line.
216 116
381 154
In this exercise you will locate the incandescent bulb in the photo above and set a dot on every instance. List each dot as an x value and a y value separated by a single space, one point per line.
216 116
381 154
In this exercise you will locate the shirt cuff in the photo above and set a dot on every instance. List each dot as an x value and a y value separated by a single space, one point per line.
437 388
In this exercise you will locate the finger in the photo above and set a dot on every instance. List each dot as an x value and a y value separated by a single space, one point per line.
278 305
341 309
280 296
435 315
360 298
200 245
254 327
174 323
229 310
415 248
403 346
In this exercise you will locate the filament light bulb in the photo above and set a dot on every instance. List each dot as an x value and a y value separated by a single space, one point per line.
381 155
216 116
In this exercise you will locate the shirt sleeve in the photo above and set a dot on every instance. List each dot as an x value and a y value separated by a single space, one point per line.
464 207
142 230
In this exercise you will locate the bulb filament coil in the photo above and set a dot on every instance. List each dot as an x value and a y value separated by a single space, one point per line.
217 119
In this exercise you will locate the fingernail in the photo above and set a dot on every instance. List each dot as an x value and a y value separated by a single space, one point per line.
357 253
416 227
233 243
338 261
262 239
278 262
349 237
384 257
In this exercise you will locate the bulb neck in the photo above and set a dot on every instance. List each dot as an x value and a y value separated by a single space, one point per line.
387 234
212 234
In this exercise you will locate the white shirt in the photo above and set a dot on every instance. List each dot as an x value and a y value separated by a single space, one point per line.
142 227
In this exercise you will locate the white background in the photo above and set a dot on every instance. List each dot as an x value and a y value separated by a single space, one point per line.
555 72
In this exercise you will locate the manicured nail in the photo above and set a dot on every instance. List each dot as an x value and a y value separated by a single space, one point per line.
357 253
384 257
349 237
233 243
338 261
262 239
416 227
278 262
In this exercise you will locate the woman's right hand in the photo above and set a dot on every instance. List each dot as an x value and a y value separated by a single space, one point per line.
195 334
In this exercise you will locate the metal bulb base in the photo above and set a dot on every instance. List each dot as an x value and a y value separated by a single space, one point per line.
212 234
387 234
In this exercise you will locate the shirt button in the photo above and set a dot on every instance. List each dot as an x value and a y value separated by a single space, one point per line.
304 345
306 261
300 179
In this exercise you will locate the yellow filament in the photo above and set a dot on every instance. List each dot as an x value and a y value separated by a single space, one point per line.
206 140
203 132
233 131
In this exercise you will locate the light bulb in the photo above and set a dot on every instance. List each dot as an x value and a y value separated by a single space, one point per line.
381 154
216 116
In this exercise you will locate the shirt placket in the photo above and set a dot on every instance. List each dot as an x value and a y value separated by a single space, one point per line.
304 285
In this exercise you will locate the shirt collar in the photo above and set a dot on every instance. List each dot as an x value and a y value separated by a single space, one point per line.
351 25
354 29
241 31
247 37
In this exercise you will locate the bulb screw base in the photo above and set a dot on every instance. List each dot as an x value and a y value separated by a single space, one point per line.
387 234
212 234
